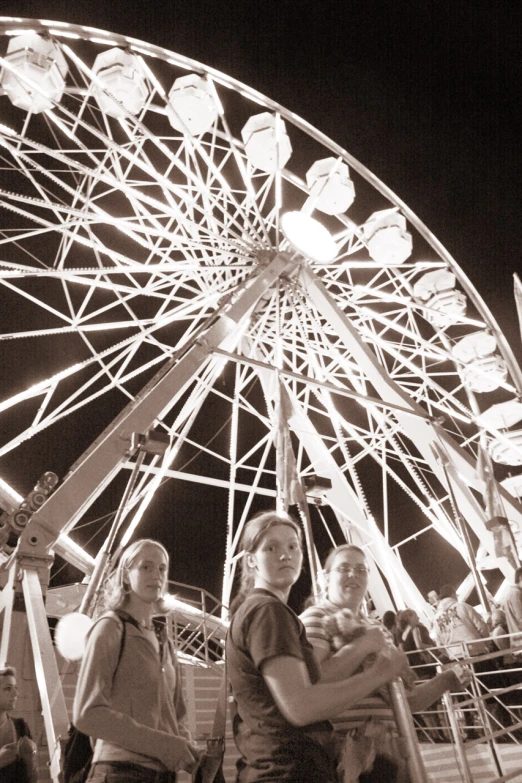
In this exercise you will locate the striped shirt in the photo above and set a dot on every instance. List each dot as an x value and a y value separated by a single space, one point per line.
373 706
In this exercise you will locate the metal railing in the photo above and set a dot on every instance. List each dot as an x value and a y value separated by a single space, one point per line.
196 624
487 711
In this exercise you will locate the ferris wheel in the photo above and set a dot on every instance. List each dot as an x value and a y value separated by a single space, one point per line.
180 253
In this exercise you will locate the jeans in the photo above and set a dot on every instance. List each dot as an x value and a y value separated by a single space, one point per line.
127 772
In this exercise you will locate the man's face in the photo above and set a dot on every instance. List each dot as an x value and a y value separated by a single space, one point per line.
433 597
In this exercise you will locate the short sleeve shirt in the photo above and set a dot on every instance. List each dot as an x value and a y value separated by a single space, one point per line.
11 732
373 706
264 628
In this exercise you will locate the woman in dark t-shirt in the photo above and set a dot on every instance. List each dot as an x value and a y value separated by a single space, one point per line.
281 724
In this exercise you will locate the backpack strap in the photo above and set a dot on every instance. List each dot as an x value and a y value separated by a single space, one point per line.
21 728
124 618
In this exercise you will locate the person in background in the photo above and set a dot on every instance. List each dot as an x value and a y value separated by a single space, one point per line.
460 629
17 750
414 639
281 726
504 677
389 620
129 698
433 598
512 606
458 626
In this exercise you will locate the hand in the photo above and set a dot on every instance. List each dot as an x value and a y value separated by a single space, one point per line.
181 755
463 675
8 754
390 665
196 754
27 748
374 639
408 677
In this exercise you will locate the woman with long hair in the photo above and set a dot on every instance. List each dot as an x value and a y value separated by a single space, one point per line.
129 692
281 726
414 638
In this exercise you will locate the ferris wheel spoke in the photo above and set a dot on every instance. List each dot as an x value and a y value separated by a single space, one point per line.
106 176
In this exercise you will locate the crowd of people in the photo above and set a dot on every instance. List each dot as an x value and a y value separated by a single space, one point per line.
309 693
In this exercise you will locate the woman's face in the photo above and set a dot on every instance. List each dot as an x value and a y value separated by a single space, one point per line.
8 693
348 579
147 574
277 561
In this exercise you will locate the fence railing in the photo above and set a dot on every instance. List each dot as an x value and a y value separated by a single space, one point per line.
196 624
486 712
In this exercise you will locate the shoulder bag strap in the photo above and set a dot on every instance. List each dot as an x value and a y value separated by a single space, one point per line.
220 718
124 620
210 768
20 727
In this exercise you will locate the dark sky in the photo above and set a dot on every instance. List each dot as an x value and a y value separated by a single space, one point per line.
426 95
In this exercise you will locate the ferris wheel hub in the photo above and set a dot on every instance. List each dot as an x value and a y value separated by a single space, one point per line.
309 237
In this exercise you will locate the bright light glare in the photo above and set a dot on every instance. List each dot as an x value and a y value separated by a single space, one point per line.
10 492
309 237
71 635
64 34
172 604
73 547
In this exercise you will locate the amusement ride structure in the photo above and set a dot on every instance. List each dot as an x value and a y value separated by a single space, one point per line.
216 293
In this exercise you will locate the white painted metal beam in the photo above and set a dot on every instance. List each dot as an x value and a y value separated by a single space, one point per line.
101 462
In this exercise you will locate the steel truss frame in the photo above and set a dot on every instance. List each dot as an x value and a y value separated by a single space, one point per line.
131 227
109 453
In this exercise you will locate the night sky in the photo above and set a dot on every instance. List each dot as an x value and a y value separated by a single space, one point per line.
426 95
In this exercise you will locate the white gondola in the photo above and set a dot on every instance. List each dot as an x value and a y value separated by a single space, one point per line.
332 191
34 78
266 141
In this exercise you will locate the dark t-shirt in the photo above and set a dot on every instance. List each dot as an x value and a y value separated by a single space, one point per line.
417 658
16 772
272 749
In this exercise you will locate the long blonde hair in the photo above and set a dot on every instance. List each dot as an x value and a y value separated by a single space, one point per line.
116 590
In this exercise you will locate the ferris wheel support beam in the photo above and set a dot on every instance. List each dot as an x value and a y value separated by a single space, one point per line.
342 496
105 457
424 432
25 625
363 528
29 565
